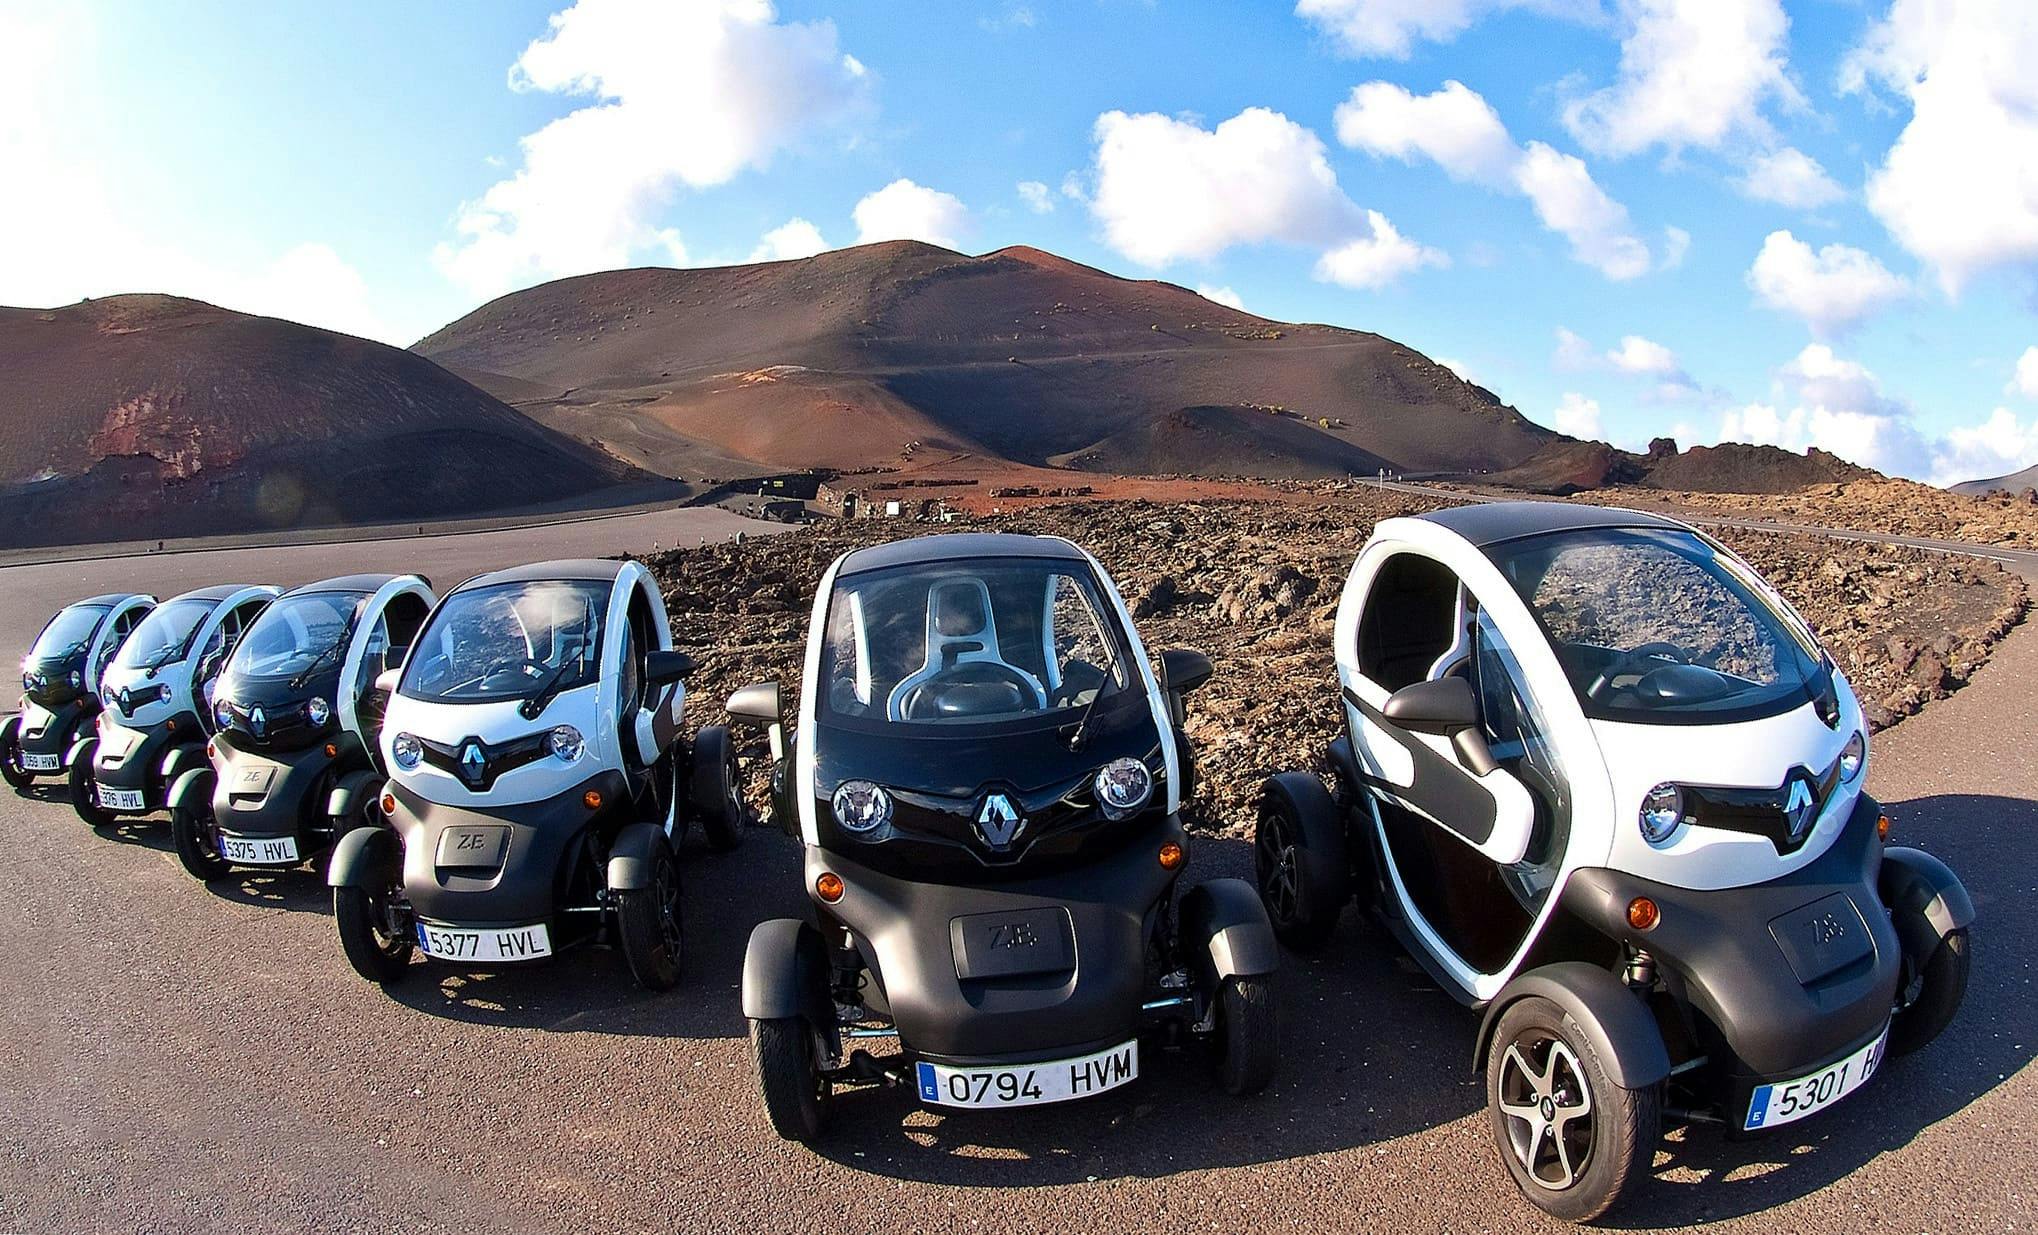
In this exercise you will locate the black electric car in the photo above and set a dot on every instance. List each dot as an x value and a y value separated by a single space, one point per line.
987 777
60 684
295 717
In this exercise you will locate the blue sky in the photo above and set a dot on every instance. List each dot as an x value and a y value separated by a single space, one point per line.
1811 223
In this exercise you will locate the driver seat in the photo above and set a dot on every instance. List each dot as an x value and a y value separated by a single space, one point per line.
960 631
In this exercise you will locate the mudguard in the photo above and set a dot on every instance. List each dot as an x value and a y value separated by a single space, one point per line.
1927 901
350 789
86 748
1619 1026
630 858
1226 918
785 973
365 858
10 730
187 784
178 760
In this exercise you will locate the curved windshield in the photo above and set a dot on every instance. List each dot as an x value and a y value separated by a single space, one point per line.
1657 625
164 635
995 641
509 641
68 633
298 634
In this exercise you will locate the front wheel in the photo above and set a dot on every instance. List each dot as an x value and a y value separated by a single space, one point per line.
376 949
1299 862
1931 995
191 827
1573 1139
1247 1038
717 790
796 1096
85 790
11 771
648 924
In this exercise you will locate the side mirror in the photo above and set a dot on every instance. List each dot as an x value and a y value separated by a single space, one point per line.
1445 706
665 668
386 681
756 705
1183 670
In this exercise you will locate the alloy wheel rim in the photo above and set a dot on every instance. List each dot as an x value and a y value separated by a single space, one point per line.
667 891
1274 856
1548 1110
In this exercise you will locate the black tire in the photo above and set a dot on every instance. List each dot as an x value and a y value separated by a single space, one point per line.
11 771
1248 1039
1578 1167
1933 993
717 790
1299 863
797 1097
648 925
374 954
191 827
85 790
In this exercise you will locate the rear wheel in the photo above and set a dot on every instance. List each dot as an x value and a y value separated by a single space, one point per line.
11 770
1247 1038
197 839
796 1095
375 947
1299 861
648 924
717 792
1931 994
85 790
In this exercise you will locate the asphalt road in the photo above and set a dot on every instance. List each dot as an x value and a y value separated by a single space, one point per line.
177 1058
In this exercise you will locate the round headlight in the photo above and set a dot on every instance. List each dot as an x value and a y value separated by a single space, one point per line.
27 680
77 679
406 750
317 710
1853 756
1662 811
1123 786
862 807
163 692
222 715
565 743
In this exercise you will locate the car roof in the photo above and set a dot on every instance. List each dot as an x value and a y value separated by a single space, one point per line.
218 591
1490 523
954 546
345 583
106 601
570 568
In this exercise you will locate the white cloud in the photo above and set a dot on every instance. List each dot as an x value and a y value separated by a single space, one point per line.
1377 260
1636 356
1037 196
1959 189
1459 367
1577 416
792 239
1693 73
1574 353
1568 202
1221 295
1639 355
903 210
1997 446
1392 27
684 96
2026 381
1789 177
1676 243
1832 290
1824 400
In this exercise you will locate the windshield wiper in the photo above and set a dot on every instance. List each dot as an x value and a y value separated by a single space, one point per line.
346 637
534 706
1090 708
151 665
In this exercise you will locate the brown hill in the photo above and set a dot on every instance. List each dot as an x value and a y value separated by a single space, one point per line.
2015 482
148 416
1569 466
862 356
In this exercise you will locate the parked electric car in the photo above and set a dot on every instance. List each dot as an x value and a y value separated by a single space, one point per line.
60 684
986 776
1602 782
156 702
538 781
295 716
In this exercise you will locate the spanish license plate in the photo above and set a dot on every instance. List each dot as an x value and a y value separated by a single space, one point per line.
489 944
121 799
259 850
40 763
1030 1084
1789 1101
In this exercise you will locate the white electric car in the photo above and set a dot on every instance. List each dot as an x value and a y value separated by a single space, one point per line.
60 684
1603 783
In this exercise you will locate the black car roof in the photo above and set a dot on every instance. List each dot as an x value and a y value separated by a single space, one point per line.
1489 523
218 591
345 583
572 568
949 547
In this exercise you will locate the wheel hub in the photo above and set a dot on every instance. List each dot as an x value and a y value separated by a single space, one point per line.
1547 1107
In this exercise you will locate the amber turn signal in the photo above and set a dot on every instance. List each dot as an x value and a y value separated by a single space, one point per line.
828 886
212 752
1172 856
388 805
591 799
170 725
1643 914
332 750
1882 827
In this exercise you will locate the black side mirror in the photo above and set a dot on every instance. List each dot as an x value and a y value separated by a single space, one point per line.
1183 670
756 705
1445 706
665 668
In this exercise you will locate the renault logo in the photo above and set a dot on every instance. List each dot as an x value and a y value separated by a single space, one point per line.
125 700
473 764
1798 808
258 722
999 823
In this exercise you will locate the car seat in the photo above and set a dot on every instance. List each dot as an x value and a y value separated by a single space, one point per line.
962 646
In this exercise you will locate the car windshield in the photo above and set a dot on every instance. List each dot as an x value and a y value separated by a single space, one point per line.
296 633
962 643
165 634
1658 625
68 633
509 641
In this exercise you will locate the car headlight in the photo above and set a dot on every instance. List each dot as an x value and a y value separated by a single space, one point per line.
406 750
565 743
1123 786
862 807
77 679
163 692
222 714
317 710
1853 756
1662 811
27 680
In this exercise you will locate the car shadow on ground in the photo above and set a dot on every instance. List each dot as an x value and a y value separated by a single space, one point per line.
301 889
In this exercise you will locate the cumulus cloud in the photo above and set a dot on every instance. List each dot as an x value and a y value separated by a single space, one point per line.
1574 353
2001 444
1639 355
1789 177
1635 356
2026 380
1037 196
1577 416
684 96
1822 399
1391 28
1374 261
1221 295
792 239
1460 132
1459 367
1833 289
903 210
1693 73
1959 188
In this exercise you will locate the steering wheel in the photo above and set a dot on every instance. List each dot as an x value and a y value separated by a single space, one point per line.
976 672
1635 660
515 664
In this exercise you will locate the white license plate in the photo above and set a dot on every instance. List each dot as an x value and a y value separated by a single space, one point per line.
259 850
509 943
40 763
121 799
1030 1084
1789 1101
